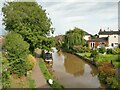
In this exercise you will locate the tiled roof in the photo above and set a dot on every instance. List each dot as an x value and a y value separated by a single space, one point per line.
86 33
109 32
98 40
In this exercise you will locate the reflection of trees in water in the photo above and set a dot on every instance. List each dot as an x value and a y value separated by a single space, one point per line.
74 65
93 71
59 53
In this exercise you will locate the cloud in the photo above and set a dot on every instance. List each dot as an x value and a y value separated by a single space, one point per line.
87 14
78 0
90 16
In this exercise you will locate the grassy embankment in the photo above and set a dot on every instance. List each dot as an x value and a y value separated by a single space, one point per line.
48 76
107 73
103 58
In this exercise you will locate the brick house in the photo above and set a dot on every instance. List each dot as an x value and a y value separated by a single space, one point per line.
109 39
97 42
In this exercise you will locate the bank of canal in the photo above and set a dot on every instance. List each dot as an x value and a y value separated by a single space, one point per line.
73 72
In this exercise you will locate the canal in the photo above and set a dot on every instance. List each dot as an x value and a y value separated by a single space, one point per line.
72 72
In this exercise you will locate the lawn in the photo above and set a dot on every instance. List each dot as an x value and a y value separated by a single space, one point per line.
106 57
85 54
47 75
103 58
109 58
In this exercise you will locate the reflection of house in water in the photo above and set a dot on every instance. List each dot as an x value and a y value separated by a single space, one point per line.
73 65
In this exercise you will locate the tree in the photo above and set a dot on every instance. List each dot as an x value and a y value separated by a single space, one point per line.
16 52
29 20
73 38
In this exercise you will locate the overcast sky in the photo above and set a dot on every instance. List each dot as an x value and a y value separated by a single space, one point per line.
89 15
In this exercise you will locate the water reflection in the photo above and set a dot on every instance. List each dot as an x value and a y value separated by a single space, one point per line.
70 68
73 65
93 71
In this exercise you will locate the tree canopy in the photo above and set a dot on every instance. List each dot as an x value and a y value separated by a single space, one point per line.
29 20
74 37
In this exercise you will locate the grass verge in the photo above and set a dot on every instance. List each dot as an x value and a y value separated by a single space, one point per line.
31 83
48 76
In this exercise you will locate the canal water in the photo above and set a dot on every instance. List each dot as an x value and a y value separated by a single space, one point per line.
73 72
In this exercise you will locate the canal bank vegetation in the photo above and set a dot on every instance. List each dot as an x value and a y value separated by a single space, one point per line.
22 37
74 41
16 61
107 65
106 60
48 76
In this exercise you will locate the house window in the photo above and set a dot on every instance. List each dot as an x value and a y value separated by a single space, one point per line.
114 36
93 44
112 44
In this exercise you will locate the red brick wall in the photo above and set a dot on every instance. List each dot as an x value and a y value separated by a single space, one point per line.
97 44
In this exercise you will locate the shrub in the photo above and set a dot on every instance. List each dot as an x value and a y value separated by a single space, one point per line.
109 51
112 82
5 80
117 50
107 75
94 53
81 51
107 68
102 77
31 61
102 50
17 50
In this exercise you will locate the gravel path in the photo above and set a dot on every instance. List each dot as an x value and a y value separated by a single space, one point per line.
38 76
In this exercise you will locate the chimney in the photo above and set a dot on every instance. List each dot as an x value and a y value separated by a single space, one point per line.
100 30
108 28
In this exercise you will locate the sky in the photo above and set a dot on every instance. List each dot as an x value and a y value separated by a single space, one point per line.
89 15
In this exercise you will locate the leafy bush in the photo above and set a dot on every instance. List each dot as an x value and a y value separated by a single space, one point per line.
102 50
5 79
113 82
107 75
102 77
109 51
81 51
117 50
94 53
16 51
107 68
31 61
